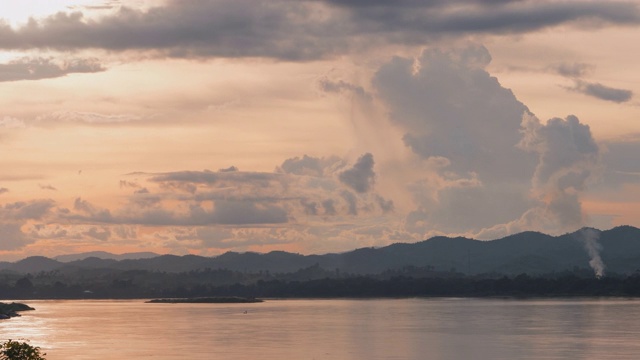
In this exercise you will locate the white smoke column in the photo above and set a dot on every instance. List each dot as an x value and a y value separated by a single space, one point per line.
590 239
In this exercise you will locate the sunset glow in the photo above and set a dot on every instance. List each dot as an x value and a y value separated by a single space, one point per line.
201 127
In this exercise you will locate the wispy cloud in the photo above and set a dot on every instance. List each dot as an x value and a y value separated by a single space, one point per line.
602 92
46 68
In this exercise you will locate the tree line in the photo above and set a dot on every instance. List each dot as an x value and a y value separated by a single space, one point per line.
310 282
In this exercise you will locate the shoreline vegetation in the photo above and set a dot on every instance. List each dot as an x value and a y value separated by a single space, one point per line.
207 300
201 287
9 310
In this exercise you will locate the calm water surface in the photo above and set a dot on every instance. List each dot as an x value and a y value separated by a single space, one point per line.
333 329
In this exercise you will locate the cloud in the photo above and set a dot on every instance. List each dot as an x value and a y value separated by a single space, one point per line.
229 169
602 92
12 237
568 158
361 176
100 234
26 210
13 216
310 166
491 167
341 86
46 68
299 30
465 128
329 207
351 200
86 118
245 212
8 122
3 190
572 70
47 187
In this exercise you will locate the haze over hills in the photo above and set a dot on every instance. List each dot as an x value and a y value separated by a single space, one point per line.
105 255
527 252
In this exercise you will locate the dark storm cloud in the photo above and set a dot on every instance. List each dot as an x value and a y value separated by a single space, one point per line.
45 68
602 92
300 30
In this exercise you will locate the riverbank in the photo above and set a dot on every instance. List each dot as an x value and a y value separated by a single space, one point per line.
208 300
9 310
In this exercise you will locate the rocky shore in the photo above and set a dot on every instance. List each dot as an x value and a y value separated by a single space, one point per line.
9 310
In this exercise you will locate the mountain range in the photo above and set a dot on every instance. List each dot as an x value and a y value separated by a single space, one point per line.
526 252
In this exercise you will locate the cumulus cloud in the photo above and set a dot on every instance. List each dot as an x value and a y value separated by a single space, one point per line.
492 161
46 68
302 191
14 216
568 158
299 30
602 92
100 234
361 176
27 210
465 127
12 237
310 166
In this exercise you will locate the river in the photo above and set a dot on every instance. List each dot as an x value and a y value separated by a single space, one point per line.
333 329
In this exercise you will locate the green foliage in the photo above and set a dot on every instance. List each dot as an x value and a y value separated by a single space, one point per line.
20 350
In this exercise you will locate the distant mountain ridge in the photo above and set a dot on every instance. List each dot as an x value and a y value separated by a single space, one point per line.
105 255
527 252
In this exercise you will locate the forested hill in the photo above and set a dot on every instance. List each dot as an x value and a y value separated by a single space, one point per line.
527 252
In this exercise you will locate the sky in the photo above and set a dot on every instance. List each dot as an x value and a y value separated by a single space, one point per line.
313 126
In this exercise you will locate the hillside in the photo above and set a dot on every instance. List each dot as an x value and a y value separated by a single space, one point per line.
527 252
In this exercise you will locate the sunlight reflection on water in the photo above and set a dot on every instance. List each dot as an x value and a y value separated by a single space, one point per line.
333 329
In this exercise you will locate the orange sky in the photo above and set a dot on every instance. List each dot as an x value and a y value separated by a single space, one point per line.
319 126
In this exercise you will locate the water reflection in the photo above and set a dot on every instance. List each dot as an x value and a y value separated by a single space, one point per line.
333 329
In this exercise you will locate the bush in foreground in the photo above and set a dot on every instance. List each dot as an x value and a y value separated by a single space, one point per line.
20 350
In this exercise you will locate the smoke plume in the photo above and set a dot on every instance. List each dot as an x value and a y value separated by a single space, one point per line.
590 239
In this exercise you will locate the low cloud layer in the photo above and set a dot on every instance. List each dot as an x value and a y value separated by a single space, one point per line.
46 68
